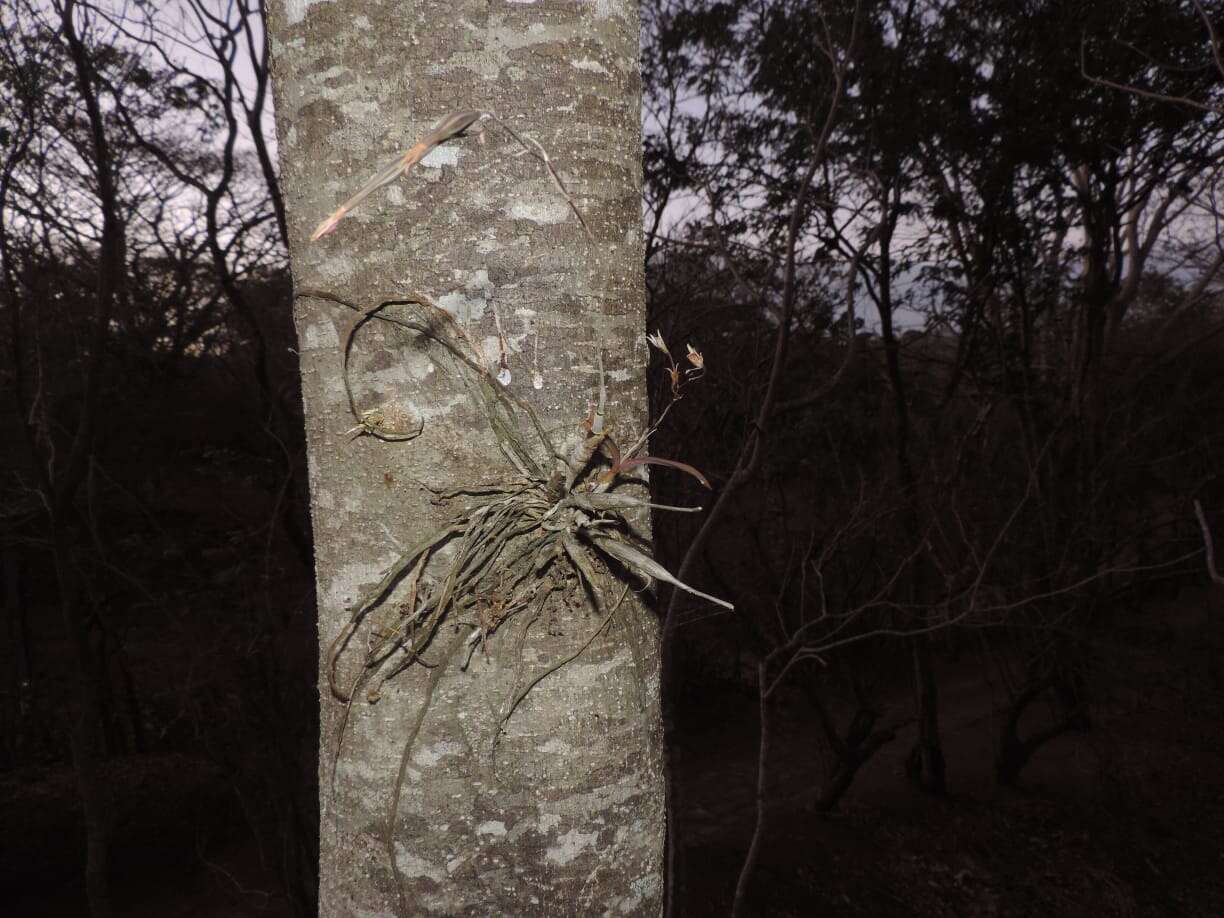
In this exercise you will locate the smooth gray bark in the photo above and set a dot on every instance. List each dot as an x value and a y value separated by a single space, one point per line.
571 821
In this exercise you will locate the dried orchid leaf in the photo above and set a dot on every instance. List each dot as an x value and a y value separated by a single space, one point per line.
451 125
644 564
627 464
600 502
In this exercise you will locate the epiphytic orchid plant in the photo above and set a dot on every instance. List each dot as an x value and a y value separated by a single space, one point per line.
553 531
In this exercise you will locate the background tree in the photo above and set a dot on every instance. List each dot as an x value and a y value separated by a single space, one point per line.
129 373
1004 217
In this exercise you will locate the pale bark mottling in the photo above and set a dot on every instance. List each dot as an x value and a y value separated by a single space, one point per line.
571 820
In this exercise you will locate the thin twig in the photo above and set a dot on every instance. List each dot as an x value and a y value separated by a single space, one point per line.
528 143
1208 544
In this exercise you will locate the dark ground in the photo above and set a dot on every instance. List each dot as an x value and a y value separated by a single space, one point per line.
1125 820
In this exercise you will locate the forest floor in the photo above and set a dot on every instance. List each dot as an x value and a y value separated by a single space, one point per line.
1127 819
1124 820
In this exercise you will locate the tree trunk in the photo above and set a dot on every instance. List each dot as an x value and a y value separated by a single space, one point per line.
570 821
1015 752
850 752
17 668
925 765
86 732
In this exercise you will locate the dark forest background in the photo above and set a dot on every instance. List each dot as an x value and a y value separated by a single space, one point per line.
957 274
